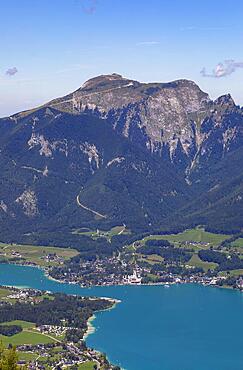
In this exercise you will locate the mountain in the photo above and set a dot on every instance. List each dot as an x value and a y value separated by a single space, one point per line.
117 151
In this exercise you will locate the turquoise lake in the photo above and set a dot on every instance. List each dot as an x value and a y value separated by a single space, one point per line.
184 327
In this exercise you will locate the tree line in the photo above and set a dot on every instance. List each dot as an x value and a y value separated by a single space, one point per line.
71 310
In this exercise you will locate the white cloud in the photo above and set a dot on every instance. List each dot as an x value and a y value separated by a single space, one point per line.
11 71
223 69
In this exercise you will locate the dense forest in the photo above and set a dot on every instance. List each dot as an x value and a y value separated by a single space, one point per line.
71 310
10 330
225 263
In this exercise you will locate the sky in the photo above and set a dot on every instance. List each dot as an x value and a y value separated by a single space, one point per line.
49 48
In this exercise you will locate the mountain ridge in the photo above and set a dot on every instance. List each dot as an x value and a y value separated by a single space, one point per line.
147 155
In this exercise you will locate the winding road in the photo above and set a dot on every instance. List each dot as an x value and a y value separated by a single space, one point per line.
89 209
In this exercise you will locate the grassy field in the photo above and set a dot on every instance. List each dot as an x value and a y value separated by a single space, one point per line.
35 254
151 259
117 230
23 324
4 292
27 356
193 235
195 261
27 336
89 365
189 239
232 273
238 243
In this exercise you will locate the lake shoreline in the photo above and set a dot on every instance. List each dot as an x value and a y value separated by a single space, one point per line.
168 284
90 327
144 308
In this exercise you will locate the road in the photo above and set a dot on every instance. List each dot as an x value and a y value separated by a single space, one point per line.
122 230
89 209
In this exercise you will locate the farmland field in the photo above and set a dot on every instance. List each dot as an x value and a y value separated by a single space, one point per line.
35 254
197 235
89 365
197 262
238 243
27 336
94 234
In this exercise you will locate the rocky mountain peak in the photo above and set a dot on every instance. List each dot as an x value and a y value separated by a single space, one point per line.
225 100
174 120
120 151
104 81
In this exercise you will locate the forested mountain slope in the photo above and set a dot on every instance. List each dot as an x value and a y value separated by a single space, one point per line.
116 151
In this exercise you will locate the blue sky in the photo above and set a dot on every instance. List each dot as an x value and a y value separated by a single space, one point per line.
50 47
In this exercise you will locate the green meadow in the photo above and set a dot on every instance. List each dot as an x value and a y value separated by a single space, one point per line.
27 336
35 254
193 235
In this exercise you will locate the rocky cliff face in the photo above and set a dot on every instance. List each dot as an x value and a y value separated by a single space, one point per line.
175 120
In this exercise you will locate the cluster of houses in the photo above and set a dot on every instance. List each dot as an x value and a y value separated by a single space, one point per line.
53 257
69 355
135 278
108 271
25 295
13 254
55 330
192 243
240 283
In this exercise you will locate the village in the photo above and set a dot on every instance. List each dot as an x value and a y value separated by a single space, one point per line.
70 355
119 269
106 271
47 346
55 348
23 295
115 271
